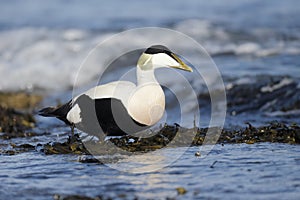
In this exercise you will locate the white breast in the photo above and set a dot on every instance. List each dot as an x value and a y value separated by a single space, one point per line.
147 104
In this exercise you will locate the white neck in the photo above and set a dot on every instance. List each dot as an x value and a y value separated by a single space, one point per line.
145 76
147 104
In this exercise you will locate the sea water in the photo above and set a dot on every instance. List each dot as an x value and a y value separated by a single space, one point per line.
255 45
259 171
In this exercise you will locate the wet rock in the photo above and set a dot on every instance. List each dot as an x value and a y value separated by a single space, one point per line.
19 100
73 146
15 124
14 149
274 132
168 136
88 159
297 135
197 154
157 141
8 152
276 93
16 119
23 146
181 190
78 197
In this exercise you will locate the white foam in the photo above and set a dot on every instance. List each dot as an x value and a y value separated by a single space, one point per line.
201 29
240 81
292 50
247 48
281 113
41 58
282 83
49 59
268 52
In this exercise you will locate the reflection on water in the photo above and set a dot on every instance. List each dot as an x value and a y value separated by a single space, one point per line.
240 171
150 161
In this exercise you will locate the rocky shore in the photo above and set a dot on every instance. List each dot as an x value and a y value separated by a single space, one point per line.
17 120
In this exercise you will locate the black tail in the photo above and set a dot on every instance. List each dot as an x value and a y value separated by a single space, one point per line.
58 112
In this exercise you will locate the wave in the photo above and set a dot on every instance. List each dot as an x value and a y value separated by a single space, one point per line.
43 58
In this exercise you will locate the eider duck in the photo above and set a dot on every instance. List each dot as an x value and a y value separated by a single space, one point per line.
121 107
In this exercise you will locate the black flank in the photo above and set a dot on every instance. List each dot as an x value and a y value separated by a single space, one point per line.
108 114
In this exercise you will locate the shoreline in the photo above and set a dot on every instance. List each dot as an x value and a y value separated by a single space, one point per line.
17 121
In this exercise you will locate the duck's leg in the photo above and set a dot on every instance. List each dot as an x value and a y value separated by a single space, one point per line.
72 129
72 136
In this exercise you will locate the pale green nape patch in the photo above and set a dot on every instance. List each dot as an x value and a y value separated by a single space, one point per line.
144 62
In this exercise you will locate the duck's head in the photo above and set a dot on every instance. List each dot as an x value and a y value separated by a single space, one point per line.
160 56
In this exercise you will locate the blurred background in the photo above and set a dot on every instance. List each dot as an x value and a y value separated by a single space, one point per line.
47 41
254 43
